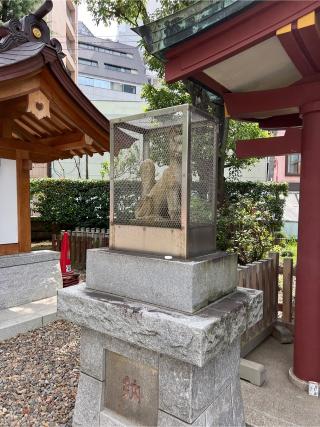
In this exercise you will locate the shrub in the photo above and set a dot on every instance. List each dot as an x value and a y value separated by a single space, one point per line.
271 195
71 203
250 218
246 222
243 227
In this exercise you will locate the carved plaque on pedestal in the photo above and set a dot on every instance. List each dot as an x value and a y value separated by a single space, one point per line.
132 389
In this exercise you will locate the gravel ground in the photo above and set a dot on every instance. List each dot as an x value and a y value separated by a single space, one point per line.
39 374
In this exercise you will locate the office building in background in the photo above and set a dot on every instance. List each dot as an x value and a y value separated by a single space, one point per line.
111 75
109 70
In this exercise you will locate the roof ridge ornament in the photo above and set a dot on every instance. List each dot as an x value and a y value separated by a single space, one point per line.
30 28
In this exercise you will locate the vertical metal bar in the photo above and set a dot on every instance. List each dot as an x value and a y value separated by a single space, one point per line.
111 183
186 174
146 146
215 180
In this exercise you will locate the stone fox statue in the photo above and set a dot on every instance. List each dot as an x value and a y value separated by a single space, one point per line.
162 199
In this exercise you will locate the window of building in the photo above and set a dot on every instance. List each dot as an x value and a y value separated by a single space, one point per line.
293 164
116 86
90 81
106 84
120 69
129 89
96 48
89 62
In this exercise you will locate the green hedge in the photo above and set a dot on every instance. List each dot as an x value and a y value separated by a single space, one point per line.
85 203
270 194
71 203
250 218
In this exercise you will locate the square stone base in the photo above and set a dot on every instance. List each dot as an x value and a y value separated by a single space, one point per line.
28 277
144 365
184 285
125 385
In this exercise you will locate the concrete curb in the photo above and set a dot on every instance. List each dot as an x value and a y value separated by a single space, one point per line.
27 317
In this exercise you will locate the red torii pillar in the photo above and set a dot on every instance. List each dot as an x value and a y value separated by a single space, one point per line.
305 140
307 318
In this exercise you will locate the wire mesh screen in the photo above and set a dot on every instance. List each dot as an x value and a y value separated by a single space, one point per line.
147 170
203 169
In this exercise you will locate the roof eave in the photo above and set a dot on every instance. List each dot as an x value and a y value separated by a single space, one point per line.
163 34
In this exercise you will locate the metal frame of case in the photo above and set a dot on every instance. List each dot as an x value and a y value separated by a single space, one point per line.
189 240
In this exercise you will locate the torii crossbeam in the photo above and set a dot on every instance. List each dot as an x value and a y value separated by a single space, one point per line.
263 59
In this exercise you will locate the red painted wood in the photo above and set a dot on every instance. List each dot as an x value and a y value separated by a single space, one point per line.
247 104
310 40
242 31
281 122
307 315
296 53
273 146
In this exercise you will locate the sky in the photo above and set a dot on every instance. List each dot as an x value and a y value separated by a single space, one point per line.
111 31
98 30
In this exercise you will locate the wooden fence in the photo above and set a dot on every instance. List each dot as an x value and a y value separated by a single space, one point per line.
278 298
82 239
286 303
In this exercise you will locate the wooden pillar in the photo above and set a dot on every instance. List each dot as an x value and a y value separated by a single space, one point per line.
23 193
307 312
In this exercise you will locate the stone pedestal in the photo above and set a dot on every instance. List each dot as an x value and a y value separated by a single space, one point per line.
28 277
146 365
184 285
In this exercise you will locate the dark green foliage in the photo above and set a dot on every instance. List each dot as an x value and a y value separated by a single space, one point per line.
16 8
270 194
248 221
243 227
71 203
249 218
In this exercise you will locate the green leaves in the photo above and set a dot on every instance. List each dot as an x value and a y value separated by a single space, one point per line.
69 202
246 222
134 13
237 131
128 11
16 8
165 95
248 219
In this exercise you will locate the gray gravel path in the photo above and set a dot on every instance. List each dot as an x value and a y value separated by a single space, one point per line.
39 374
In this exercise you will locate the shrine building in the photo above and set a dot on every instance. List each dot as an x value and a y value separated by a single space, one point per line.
44 116
263 59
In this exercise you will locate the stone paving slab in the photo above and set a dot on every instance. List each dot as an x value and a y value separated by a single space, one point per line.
278 402
26 317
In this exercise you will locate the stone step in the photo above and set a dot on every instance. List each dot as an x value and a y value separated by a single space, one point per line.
26 317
